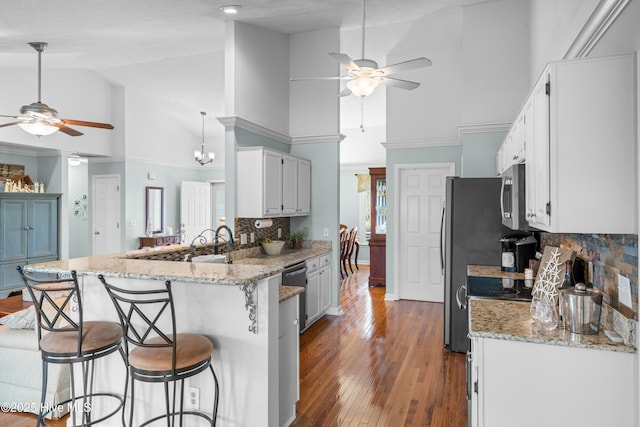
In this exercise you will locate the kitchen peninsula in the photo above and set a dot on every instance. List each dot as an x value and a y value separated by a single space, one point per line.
235 305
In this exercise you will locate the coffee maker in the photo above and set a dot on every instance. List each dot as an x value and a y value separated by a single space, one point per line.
517 250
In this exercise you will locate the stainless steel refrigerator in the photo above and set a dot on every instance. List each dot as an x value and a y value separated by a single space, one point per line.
471 229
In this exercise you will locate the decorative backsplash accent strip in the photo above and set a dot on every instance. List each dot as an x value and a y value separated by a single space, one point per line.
611 254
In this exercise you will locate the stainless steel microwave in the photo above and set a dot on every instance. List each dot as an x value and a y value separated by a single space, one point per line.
513 198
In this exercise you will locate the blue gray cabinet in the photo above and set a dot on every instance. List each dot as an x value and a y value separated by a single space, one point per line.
28 233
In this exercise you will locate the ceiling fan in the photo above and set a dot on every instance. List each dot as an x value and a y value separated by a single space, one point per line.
364 75
39 119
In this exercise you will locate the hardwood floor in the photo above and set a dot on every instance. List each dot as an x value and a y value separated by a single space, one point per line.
381 363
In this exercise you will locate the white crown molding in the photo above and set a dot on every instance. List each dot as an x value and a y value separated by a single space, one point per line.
238 122
195 166
19 150
318 139
605 14
421 143
484 127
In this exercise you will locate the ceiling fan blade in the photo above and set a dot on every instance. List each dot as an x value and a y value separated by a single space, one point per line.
405 66
9 124
4 115
402 84
345 92
295 79
68 130
89 124
345 60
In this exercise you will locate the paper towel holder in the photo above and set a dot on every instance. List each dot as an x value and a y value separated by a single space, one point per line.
263 223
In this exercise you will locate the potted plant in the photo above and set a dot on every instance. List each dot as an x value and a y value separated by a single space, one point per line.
296 239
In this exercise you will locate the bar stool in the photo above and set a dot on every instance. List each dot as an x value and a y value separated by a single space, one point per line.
71 341
160 355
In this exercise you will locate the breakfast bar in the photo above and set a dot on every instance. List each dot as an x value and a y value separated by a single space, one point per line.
235 305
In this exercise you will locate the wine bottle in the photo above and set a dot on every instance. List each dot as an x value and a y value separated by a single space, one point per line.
568 282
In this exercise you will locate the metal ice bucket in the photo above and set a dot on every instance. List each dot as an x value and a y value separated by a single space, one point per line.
581 309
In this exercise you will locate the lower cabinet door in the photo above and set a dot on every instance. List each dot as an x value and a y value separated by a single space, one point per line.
289 361
313 296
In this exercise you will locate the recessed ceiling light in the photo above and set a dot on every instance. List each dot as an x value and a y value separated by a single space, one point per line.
231 9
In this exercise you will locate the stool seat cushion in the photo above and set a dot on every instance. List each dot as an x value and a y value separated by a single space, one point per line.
191 350
97 335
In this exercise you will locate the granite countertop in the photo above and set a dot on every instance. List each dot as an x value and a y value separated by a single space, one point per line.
244 270
511 321
492 271
287 292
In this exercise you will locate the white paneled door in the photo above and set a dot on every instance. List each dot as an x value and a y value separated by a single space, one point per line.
195 209
106 213
420 199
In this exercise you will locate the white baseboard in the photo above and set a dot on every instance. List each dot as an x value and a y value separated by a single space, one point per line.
335 311
391 297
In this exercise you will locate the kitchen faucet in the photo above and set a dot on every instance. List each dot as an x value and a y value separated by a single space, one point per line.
216 242
229 241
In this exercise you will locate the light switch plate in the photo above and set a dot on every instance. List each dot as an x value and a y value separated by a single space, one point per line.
243 239
325 232
624 290
252 237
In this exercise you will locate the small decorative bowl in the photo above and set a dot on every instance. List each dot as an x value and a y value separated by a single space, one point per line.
273 248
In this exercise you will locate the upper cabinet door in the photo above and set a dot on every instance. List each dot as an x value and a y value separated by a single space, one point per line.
272 183
304 187
289 185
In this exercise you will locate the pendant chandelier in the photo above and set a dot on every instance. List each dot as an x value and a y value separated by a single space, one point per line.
200 156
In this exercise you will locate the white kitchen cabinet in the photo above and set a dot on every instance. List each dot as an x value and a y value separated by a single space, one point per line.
537 206
318 293
289 185
579 135
289 361
530 385
304 187
325 283
313 296
269 183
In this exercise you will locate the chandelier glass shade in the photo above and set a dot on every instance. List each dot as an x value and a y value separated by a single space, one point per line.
201 156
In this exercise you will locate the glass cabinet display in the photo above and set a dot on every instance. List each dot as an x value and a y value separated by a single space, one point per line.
378 241
380 207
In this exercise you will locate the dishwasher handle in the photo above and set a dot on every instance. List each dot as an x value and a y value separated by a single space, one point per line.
289 275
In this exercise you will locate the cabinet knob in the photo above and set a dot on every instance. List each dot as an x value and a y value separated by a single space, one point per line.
96 232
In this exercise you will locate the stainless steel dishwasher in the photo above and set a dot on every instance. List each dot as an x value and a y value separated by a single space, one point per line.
296 275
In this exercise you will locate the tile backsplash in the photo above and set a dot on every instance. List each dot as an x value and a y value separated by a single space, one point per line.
247 226
611 254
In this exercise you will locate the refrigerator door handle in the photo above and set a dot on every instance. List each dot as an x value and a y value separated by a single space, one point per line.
459 300
441 238
502 198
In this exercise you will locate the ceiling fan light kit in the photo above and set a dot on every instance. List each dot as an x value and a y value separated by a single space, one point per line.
39 119
200 156
230 9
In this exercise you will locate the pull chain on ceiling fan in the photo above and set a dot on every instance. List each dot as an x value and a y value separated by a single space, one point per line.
39 119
